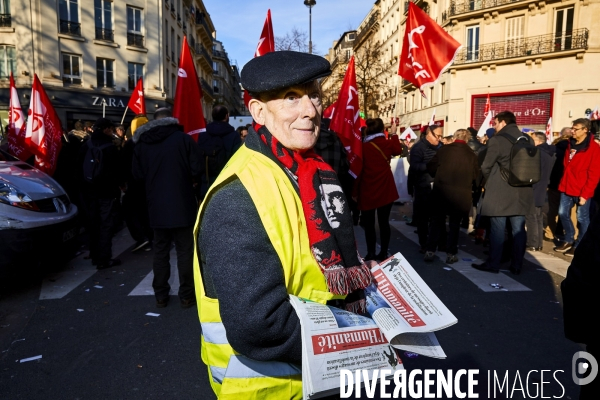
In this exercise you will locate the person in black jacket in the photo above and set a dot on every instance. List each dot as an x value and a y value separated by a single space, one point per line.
420 154
581 300
100 191
534 221
217 145
168 161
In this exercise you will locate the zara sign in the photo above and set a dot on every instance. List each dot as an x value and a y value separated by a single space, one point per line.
107 102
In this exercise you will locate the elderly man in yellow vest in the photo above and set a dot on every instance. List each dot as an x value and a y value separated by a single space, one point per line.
265 231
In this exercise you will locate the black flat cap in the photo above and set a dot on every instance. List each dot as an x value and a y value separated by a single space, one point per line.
281 69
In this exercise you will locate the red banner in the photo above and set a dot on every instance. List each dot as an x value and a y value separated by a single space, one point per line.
346 120
137 102
15 130
427 49
44 130
187 105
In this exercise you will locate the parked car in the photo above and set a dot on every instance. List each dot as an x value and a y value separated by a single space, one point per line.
37 219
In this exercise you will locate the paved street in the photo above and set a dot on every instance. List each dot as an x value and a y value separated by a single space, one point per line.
96 340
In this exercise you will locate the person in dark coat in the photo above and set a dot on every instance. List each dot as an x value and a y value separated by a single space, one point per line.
376 190
454 168
168 161
218 133
502 201
420 154
581 301
535 220
554 227
101 193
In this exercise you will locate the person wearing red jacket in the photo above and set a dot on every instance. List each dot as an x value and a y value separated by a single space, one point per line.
376 190
578 183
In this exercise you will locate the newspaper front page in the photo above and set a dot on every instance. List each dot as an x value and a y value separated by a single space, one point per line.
334 339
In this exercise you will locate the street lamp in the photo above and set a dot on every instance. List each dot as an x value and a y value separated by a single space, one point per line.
310 4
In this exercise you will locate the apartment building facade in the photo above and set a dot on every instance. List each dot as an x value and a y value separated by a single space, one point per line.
89 54
338 55
226 81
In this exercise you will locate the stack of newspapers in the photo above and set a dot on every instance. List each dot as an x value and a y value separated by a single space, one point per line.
404 313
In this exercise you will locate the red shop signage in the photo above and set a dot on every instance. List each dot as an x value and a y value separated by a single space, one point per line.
532 107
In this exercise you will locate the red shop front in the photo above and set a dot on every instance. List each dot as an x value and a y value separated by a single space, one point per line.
532 108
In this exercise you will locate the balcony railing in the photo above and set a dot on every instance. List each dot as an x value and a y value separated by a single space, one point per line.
70 27
201 20
206 88
206 54
105 34
366 29
463 7
135 40
221 54
530 46
5 20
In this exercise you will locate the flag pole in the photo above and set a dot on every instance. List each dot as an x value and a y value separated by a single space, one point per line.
397 94
103 109
123 119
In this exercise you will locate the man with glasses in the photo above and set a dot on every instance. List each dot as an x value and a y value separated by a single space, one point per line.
580 178
501 201
420 154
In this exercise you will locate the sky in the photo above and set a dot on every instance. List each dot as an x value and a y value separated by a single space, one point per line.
239 23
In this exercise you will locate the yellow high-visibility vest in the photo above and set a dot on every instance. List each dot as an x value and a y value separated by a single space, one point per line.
232 375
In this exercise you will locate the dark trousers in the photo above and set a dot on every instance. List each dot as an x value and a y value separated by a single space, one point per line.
367 219
437 229
535 228
497 239
101 215
135 213
422 214
184 245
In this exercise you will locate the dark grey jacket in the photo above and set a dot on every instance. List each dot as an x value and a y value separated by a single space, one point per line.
501 199
548 154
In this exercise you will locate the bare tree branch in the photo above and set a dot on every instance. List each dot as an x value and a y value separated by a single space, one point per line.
296 40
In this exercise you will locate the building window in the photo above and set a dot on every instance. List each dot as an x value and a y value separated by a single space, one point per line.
172 44
178 47
71 69
5 13
167 38
173 85
443 92
514 36
69 17
351 37
134 72
473 43
413 105
563 29
348 55
103 20
104 73
134 27
430 99
8 61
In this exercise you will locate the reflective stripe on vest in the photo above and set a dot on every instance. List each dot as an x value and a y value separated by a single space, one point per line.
214 332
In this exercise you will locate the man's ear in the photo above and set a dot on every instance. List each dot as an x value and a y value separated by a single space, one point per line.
257 110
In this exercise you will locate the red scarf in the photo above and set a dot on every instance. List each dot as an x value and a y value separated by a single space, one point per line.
331 239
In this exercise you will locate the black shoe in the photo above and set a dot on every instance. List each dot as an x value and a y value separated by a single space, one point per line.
422 250
398 203
187 303
484 267
570 252
563 247
539 248
369 257
411 223
162 303
531 248
515 271
109 264
139 245
381 256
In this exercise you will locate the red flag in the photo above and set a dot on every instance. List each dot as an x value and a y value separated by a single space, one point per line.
137 102
549 131
595 115
488 106
266 44
346 120
44 130
427 50
15 131
187 105
329 111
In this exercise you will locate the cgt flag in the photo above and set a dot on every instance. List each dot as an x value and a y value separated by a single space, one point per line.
137 102
187 105
15 130
44 130
549 131
346 121
427 50
266 44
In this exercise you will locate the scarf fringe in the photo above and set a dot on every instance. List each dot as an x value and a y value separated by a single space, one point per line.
357 307
346 280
